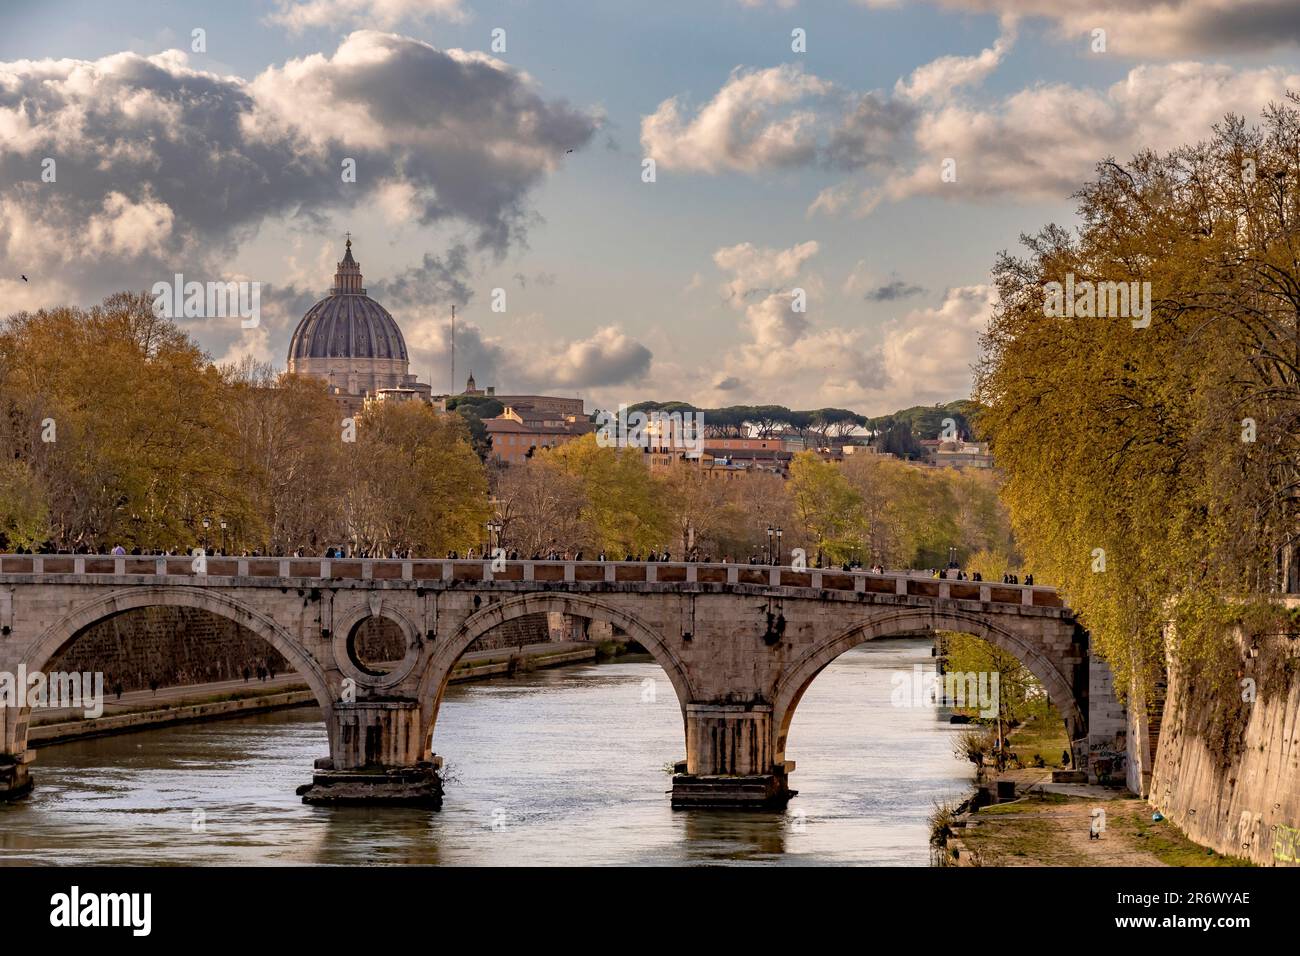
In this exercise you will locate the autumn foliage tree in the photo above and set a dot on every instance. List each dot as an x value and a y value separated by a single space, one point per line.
116 417
116 429
1152 471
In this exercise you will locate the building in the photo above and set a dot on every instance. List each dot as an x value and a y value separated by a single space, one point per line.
791 442
353 343
709 466
403 395
514 440
473 391
957 453
548 418
529 422
866 451
561 407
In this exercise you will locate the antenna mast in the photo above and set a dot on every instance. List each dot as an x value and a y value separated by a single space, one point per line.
453 351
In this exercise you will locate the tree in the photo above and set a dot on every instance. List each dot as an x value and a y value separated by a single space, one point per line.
622 502
699 508
413 481
289 457
541 508
24 517
119 416
1128 448
826 507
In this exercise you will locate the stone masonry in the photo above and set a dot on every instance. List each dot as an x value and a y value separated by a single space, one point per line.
739 644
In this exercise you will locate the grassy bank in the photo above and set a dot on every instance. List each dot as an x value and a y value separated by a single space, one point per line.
1053 829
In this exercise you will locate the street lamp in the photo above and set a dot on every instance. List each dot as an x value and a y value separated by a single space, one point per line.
223 535
767 556
494 531
207 523
779 551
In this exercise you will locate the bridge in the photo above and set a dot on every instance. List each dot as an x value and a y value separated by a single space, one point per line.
739 643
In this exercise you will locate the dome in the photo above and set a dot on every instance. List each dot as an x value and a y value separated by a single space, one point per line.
347 323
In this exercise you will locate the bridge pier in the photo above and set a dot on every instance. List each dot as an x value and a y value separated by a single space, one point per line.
377 757
729 759
15 779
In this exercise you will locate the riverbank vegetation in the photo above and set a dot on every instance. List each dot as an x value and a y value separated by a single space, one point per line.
1152 470
1034 727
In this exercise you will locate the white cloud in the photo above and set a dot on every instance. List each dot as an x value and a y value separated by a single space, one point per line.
743 128
129 229
606 357
785 358
858 281
803 361
776 118
938 79
254 344
1135 28
165 168
928 353
1042 143
756 268
299 15
1158 28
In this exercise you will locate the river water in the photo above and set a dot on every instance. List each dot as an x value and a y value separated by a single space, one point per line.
560 766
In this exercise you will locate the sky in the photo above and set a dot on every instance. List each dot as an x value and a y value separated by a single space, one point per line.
832 180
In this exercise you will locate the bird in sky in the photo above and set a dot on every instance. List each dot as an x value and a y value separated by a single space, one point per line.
24 278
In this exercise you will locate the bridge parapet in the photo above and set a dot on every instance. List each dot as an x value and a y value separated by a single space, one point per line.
274 571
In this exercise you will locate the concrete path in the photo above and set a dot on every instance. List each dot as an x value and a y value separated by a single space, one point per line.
134 701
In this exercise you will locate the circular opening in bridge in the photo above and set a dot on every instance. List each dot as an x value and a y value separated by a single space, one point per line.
376 645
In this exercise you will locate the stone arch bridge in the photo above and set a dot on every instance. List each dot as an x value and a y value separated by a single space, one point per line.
739 643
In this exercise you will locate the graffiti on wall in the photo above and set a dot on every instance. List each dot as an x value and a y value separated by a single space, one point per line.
1286 844
1108 759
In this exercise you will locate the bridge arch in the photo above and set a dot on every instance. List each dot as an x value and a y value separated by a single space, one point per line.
62 633
796 679
437 673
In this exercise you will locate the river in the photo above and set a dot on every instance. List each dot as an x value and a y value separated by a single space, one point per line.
556 767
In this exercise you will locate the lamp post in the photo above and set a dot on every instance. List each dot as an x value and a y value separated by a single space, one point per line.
207 523
767 555
952 557
494 535
223 535
779 551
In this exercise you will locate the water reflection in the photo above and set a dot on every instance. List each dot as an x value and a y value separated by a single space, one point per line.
555 767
